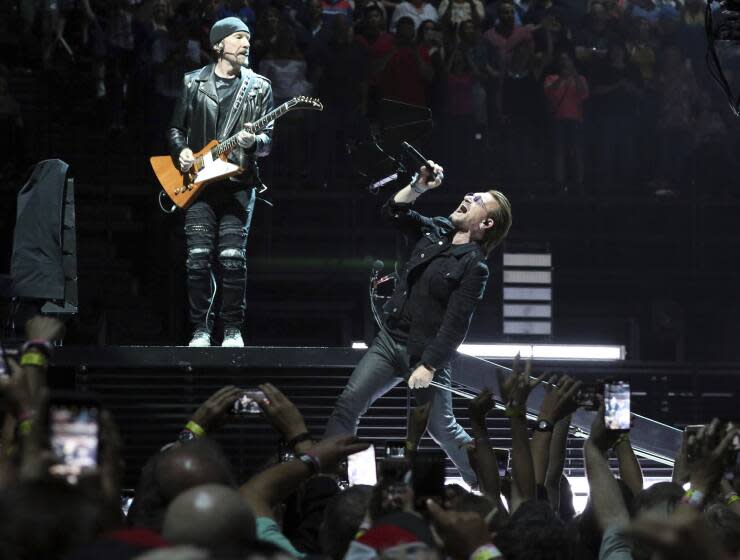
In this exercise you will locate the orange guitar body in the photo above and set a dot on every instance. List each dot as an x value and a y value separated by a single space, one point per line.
211 163
184 188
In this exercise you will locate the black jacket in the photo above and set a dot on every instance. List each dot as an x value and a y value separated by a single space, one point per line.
195 118
448 282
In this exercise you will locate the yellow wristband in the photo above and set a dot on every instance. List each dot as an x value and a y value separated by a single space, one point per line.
195 428
733 499
34 359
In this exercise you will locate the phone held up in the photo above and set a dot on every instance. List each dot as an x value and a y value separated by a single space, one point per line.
617 416
248 402
74 435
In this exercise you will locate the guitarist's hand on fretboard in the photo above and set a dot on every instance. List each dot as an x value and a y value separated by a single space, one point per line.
186 160
246 138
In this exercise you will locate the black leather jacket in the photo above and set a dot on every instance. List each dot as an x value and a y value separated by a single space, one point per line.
195 118
448 282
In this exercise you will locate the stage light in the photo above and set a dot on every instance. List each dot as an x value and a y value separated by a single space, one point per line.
545 351
359 346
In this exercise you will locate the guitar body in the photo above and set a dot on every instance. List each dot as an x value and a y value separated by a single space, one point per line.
184 188
210 163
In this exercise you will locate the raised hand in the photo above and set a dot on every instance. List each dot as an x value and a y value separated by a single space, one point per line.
424 180
516 387
44 328
332 450
602 438
682 536
213 413
282 413
710 445
560 400
480 406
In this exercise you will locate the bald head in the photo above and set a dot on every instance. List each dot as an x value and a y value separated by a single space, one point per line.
190 465
212 516
167 474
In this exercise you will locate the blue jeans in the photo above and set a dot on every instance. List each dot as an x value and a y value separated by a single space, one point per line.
383 367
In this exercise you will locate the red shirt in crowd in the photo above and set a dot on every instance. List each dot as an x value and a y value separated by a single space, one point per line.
566 98
401 78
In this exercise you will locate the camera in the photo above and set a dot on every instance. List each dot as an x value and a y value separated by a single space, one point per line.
248 402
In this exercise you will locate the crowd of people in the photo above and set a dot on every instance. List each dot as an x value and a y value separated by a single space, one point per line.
613 94
190 505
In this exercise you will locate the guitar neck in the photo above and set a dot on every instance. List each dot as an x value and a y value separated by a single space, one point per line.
257 126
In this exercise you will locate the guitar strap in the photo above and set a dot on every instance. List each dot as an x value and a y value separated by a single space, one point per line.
236 105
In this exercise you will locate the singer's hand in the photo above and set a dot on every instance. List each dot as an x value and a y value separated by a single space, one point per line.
186 160
425 181
421 378
246 138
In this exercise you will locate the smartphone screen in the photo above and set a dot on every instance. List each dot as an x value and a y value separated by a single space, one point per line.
502 458
361 467
428 477
617 405
74 429
248 402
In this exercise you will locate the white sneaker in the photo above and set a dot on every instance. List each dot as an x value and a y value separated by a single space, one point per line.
232 338
200 339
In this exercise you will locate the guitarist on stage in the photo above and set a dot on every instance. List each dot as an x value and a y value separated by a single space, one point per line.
216 102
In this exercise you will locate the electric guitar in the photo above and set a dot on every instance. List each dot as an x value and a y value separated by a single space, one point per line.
210 163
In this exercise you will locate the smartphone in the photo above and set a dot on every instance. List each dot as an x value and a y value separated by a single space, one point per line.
587 396
248 402
74 435
617 405
502 458
395 449
428 477
361 467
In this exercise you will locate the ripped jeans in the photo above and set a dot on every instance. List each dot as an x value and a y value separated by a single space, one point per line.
216 229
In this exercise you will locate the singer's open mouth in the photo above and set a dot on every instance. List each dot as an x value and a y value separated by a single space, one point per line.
463 209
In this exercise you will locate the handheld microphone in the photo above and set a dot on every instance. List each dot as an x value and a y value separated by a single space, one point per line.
419 159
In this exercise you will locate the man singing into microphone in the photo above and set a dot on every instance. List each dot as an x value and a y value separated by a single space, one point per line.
217 101
428 314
